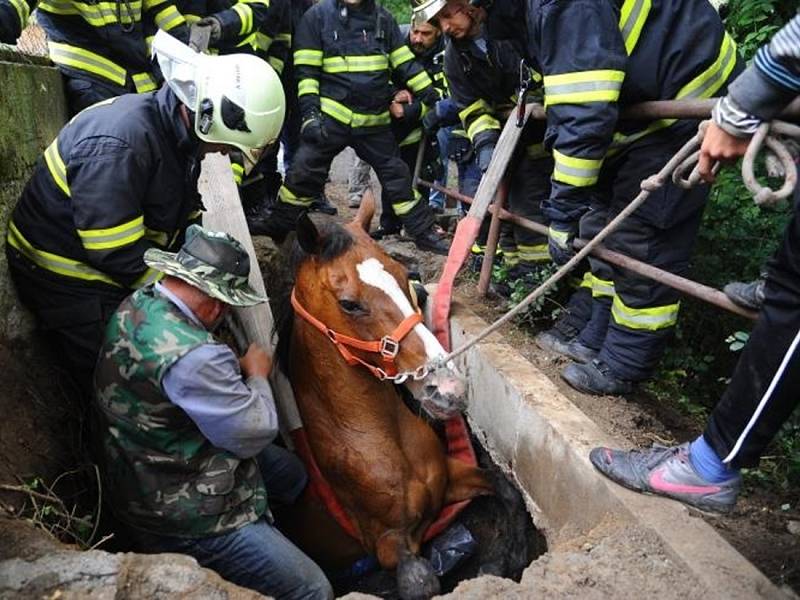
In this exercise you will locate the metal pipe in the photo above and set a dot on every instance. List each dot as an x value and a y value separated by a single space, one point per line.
682 284
494 235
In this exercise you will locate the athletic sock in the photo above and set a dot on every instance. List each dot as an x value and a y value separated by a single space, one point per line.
707 464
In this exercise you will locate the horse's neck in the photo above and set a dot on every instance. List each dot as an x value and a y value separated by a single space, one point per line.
320 371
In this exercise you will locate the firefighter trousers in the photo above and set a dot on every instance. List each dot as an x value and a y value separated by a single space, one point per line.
632 316
73 315
306 178
763 391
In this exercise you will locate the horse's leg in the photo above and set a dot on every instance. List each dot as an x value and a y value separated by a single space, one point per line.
466 481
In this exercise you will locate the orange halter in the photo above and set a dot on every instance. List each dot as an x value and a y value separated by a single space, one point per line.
388 346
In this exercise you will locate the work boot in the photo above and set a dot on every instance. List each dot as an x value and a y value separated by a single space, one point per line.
382 232
746 294
666 472
557 338
595 378
276 222
321 204
579 352
432 240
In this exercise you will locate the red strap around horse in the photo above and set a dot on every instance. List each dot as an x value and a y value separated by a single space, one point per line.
388 346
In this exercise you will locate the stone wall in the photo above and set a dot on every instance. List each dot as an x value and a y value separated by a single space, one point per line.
32 111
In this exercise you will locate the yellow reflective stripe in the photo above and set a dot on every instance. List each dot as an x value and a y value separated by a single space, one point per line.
286 195
400 55
276 63
477 248
22 11
533 253
56 167
632 18
311 58
286 38
169 18
648 319
344 115
403 208
245 16
601 85
113 237
419 81
84 60
262 41
579 172
479 105
587 280
482 123
191 19
355 64
713 78
148 42
602 287
307 86
53 262
412 138
621 140
96 14
238 173
144 82
157 237
148 277
151 4
536 151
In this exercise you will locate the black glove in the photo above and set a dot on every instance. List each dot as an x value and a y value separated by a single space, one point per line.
204 33
313 129
431 121
485 156
559 240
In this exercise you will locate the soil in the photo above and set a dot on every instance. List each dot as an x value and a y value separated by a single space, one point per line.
759 527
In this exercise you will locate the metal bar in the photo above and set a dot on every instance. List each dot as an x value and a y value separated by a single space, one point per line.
682 284
494 235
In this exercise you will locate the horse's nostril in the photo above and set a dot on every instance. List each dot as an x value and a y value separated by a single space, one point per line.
431 391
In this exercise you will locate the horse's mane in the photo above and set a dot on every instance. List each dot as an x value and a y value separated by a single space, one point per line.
335 241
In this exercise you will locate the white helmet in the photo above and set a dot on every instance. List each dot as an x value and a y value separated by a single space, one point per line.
424 10
237 99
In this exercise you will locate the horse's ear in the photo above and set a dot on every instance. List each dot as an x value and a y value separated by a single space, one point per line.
366 210
308 235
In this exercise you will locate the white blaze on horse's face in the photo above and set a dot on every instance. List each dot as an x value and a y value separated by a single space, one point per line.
442 392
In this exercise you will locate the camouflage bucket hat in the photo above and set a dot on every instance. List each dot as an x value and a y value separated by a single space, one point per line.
212 261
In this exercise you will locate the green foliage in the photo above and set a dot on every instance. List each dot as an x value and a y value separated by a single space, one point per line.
753 22
401 9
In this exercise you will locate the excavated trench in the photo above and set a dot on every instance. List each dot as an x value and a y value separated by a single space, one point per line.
585 537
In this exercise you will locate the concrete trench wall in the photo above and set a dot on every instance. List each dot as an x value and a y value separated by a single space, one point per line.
32 111
543 441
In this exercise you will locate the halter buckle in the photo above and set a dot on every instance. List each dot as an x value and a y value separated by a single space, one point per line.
389 347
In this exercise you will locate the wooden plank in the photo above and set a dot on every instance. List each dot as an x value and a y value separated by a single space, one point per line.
224 213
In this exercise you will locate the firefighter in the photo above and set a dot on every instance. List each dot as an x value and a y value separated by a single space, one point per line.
102 48
13 18
345 54
595 56
483 74
120 178
427 44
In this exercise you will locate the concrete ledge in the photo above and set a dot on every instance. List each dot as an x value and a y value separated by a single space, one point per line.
544 440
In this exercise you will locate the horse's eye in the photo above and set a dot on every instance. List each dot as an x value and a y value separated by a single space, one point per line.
350 306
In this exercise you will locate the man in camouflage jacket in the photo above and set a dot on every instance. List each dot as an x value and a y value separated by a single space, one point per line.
186 426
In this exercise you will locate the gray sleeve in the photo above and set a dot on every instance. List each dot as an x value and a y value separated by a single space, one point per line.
769 84
235 415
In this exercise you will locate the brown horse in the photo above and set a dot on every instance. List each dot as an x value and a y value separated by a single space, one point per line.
387 468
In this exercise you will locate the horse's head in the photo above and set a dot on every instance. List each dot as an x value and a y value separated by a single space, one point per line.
348 283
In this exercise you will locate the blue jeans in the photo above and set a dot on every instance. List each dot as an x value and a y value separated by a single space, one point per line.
258 556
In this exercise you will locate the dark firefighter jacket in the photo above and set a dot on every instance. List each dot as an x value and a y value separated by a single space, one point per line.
597 54
13 18
483 75
344 59
109 39
409 130
120 178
